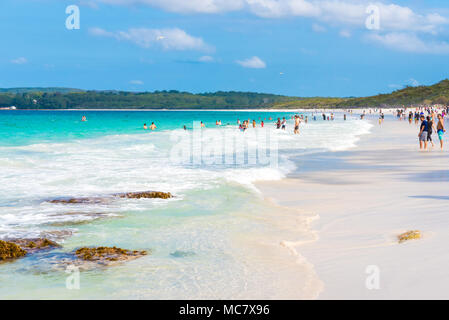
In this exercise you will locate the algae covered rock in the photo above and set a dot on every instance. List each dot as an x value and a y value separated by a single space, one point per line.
409 235
108 254
79 201
145 195
34 245
10 250
108 199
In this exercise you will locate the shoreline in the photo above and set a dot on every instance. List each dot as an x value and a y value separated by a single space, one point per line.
365 197
355 111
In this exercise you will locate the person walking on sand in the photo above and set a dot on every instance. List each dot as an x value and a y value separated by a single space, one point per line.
440 130
153 126
423 133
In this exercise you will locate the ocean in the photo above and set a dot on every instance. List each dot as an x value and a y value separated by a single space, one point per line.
218 238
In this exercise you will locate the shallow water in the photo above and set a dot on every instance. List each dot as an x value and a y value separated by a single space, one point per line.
216 239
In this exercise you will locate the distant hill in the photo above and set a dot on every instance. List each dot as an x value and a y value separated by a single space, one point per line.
421 95
44 99
66 98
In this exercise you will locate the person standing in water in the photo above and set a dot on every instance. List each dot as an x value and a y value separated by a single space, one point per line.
284 122
83 118
297 122
145 126
153 126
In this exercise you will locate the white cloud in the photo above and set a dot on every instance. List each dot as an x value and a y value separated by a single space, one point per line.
282 8
20 60
318 28
409 42
413 82
345 34
342 14
254 63
167 39
206 59
136 82
88 3
348 12
185 6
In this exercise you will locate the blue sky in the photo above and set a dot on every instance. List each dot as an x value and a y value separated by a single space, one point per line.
292 47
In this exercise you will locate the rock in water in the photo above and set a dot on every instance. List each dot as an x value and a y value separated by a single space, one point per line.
105 200
34 245
145 195
79 201
108 254
409 235
10 250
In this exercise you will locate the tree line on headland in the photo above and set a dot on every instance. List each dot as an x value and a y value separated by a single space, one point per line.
66 98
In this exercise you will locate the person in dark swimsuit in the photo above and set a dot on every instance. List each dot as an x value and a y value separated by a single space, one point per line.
430 127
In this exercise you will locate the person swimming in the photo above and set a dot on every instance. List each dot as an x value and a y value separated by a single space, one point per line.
83 118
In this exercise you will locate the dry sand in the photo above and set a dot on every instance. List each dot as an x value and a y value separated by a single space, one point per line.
365 197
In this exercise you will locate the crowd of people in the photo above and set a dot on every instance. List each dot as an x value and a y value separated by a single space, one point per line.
432 121
428 127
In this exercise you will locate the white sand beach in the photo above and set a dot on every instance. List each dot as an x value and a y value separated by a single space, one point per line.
365 198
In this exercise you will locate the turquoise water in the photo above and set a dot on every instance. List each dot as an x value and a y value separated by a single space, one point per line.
218 238
25 127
